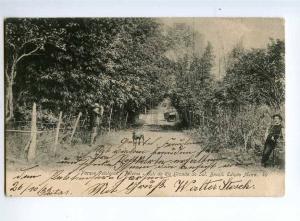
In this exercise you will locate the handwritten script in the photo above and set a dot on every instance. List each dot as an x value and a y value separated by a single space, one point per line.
158 167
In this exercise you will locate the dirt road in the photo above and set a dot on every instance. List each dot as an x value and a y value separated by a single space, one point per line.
167 163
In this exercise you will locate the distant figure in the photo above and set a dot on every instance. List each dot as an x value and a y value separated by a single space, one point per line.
96 116
137 136
272 136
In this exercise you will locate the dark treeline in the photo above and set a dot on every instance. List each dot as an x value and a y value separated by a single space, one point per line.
68 64
129 64
234 111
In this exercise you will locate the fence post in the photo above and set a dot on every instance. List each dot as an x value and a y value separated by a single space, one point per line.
32 145
57 132
189 117
121 114
193 120
109 121
75 126
126 118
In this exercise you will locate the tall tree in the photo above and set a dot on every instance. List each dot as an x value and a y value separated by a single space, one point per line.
115 61
257 76
25 38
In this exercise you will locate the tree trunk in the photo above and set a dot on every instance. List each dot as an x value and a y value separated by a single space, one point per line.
9 107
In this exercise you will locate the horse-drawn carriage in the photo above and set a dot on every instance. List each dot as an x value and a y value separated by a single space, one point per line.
170 115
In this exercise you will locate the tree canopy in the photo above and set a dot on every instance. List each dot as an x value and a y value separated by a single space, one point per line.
131 64
68 64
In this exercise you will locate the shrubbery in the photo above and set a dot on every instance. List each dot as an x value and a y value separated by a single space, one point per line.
233 113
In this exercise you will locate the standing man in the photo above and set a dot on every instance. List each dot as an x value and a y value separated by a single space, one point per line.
96 117
272 136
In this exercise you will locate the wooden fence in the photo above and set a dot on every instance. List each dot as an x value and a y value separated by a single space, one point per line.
57 131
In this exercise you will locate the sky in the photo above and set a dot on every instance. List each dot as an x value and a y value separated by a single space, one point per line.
225 33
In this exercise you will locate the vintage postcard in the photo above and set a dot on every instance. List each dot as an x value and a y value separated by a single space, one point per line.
144 106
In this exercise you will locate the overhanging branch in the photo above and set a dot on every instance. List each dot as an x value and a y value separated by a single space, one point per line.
27 54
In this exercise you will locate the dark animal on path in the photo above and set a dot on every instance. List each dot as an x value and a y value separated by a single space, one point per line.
137 136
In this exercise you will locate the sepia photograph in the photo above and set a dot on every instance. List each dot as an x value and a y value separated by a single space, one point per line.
144 106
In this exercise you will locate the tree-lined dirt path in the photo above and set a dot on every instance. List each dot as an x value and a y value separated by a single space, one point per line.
168 163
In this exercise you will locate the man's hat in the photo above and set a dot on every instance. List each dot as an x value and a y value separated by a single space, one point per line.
277 115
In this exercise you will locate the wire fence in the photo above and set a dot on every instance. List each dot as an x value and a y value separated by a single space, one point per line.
45 136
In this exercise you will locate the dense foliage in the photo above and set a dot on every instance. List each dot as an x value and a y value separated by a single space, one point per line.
129 64
71 63
236 111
